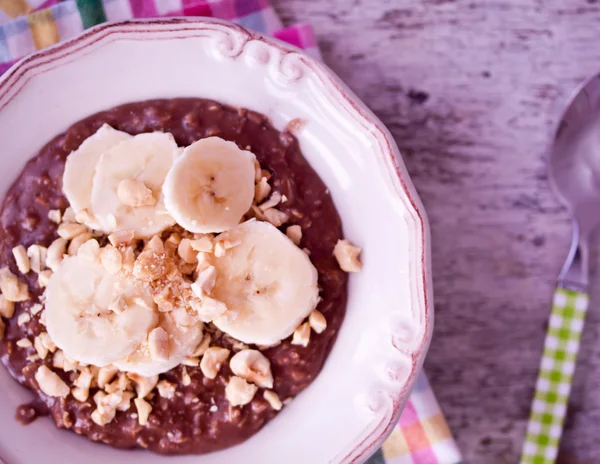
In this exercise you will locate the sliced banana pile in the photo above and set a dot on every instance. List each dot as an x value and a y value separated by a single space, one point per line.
191 247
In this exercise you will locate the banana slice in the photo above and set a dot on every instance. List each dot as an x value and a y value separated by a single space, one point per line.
78 318
182 340
267 283
81 167
126 194
211 186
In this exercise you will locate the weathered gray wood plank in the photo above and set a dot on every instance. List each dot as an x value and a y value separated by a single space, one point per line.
471 91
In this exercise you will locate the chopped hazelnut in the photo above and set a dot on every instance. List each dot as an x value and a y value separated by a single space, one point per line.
294 233
70 230
155 244
212 360
23 319
253 366
302 335
128 259
40 348
44 278
58 360
257 170
143 385
317 321
273 201
21 258
205 281
144 409
36 308
202 346
185 377
7 308
37 257
158 343
84 379
134 193
24 343
273 399
186 251
275 217
50 383
84 216
125 403
122 237
103 417
89 249
55 215
166 389
191 361
77 242
203 244
111 259
208 308
106 374
239 392
347 256
47 341
150 265
56 253
69 215
12 289
261 190
80 394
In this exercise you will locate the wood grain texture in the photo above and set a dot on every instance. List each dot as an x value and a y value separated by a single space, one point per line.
471 91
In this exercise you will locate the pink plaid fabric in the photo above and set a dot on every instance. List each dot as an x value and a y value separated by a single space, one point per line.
422 435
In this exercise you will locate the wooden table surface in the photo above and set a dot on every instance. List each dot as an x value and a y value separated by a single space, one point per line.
471 91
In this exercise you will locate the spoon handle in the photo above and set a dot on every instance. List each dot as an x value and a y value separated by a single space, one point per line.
556 373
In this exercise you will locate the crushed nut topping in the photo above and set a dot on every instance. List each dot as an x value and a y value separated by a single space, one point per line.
7 308
143 385
111 259
261 190
347 256
70 230
23 318
187 252
273 201
166 389
55 215
239 392
122 237
77 242
12 289
212 360
144 409
273 399
294 233
317 321
203 346
275 217
44 278
158 343
302 335
106 374
21 258
203 244
185 377
253 366
50 383
56 253
134 193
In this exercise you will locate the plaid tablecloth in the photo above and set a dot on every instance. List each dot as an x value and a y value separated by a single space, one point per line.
422 435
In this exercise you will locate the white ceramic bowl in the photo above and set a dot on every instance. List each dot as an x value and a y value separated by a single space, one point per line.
357 399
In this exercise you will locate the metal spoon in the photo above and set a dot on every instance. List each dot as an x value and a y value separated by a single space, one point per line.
574 168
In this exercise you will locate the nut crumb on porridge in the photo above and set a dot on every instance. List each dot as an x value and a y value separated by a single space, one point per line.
348 256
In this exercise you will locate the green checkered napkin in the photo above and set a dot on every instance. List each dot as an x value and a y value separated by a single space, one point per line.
554 380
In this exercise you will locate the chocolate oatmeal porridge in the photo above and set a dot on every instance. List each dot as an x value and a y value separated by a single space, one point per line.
173 273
